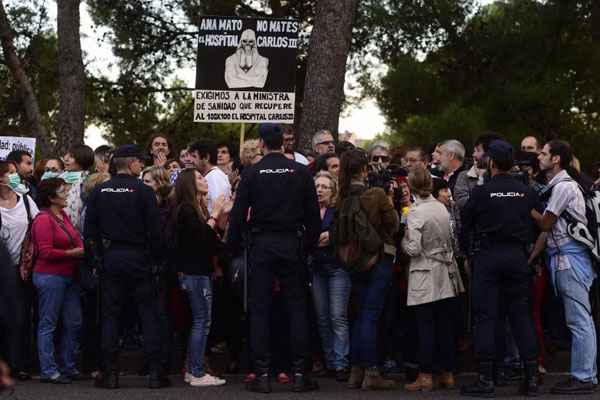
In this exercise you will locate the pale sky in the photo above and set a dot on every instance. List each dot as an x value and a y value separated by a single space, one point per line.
364 119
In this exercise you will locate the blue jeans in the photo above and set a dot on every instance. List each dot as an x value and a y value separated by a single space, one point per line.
575 294
198 289
58 296
331 293
371 288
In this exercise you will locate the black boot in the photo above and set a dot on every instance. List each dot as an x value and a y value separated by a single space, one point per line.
529 386
262 382
484 386
301 377
157 380
108 379
500 378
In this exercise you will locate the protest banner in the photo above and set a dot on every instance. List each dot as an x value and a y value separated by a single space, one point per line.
11 143
246 69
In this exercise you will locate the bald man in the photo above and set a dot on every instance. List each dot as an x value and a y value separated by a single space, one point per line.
530 144
246 67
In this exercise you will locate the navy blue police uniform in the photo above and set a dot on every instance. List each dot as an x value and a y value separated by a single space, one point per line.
499 215
123 224
284 221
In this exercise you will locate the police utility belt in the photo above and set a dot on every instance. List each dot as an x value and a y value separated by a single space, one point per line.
485 241
298 232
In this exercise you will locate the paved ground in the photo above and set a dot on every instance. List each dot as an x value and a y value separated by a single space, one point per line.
132 388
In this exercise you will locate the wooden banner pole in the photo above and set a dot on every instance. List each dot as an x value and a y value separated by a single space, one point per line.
242 134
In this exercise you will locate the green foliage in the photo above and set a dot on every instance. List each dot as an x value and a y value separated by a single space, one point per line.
517 67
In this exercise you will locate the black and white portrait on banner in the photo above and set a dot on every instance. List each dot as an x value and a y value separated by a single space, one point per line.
246 70
246 67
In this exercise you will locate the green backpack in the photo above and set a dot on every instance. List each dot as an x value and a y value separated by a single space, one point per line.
356 243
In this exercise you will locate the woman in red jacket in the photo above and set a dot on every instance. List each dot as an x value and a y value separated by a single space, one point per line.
59 250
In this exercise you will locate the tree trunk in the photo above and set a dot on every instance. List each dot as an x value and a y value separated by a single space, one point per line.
71 77
327 54
596 22
32 109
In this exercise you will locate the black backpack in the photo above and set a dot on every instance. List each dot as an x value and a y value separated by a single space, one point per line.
586 234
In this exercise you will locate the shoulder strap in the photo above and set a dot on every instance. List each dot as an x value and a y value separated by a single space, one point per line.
28 209
64 229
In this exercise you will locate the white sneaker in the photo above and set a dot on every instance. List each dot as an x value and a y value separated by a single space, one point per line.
187 377
206 380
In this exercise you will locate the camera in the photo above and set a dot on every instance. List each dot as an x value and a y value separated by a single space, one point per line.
384 178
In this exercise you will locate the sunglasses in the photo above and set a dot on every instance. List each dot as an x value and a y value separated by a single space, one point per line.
380 159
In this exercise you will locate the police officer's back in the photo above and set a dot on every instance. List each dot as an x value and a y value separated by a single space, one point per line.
278 195
281 196
123 225
498 214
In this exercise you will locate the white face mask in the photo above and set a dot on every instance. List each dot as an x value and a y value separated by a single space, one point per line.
21 189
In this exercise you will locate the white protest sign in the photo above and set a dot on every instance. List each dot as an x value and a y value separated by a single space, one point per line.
11 143
246 70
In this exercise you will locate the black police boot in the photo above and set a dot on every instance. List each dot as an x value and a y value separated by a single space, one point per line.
262 382
500 378
157 380
107 379
301 377
529 386
484 386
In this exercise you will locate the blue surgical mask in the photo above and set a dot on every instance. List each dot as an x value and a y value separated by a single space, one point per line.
50 174
21 189
14 180
71 177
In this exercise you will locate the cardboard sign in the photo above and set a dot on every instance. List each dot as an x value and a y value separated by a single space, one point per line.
11 143
246 70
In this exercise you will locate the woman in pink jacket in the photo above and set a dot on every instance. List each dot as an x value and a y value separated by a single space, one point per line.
59 250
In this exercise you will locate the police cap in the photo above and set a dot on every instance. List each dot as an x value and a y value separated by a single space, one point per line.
128 150
526 159
268 131
500 150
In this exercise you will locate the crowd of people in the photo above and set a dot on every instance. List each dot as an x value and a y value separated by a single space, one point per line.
203 252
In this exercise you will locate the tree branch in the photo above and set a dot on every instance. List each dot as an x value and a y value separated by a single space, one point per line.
32 108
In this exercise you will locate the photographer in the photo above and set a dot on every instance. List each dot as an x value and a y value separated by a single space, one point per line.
371 285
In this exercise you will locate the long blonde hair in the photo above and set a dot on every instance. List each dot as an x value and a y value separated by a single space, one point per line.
161 177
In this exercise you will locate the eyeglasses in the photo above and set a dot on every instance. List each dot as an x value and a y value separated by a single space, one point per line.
380 159
62 191
327 142
52 169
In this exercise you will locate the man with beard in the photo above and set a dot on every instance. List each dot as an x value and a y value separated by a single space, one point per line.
246 67
570 265
472 177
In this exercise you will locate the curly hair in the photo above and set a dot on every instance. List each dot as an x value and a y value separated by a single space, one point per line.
250 149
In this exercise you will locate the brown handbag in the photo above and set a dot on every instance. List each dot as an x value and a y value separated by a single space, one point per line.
28 249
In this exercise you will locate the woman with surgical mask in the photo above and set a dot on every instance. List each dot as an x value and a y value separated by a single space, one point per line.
15 212
48 168
78 162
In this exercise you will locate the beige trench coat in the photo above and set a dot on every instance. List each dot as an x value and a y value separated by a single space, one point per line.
433 273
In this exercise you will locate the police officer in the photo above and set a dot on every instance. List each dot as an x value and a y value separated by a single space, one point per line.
284 221
123 225
499 214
